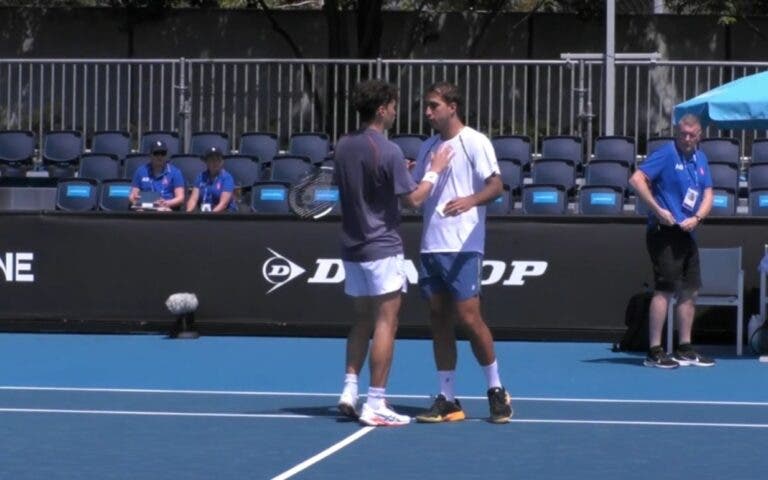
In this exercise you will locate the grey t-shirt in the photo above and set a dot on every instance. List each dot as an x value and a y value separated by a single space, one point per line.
371 173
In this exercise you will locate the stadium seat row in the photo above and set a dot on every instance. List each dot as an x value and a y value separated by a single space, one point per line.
64 149
271 197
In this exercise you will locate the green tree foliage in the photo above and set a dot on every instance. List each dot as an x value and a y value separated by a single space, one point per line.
729 11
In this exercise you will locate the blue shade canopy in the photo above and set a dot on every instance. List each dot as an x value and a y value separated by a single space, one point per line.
740 104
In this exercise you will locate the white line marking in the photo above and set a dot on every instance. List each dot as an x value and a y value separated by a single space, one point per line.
630 400
325 453
153 414
170 391
318 394
365 430
634 422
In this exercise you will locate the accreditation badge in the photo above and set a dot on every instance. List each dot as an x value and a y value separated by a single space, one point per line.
690 199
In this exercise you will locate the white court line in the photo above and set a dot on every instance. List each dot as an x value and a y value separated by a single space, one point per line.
325 453
317 394
158 390
365 430
153 414
641 423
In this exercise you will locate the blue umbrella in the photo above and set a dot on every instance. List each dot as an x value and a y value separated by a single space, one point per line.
740 104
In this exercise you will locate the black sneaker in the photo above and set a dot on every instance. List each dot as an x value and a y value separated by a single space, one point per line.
442 411
658 358
687 356
499 402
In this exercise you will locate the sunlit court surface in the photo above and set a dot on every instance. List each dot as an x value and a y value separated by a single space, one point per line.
144 407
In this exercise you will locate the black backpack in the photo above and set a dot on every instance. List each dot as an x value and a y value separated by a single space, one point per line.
635 339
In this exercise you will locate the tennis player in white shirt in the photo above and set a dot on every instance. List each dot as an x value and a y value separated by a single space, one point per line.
452 247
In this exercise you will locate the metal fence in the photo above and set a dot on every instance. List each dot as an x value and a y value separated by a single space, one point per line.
534 98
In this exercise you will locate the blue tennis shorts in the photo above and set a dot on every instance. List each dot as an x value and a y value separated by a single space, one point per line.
456 273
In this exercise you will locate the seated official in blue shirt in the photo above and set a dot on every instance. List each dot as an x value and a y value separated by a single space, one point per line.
161 177
212 189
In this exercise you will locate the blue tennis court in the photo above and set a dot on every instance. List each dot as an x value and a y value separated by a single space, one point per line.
143 407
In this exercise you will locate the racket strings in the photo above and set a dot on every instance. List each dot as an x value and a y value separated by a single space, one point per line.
302 197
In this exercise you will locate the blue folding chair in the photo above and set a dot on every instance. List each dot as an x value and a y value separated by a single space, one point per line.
513 147
757 176
601 200
190 165
616 148
544 200
114 142
17 146
61 151
511 173
723 203
501 205
656 143
76 194
564 147
17 151
99 166
758 203
724 175
200 142
554 171
261 145
759 151
290 168
113 195
270 198
410 144
132 162
607 172
245 170
313 145
721 150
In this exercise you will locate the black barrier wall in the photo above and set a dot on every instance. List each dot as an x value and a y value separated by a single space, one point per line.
543 278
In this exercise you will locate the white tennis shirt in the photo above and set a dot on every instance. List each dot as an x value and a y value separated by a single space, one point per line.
474 161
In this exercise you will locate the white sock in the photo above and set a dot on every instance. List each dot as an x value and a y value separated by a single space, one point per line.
447 379
492 374
376 397
350 384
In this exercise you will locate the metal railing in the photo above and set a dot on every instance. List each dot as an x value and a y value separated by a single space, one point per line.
534 98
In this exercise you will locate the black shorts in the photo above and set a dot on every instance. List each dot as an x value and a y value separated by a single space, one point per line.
675 258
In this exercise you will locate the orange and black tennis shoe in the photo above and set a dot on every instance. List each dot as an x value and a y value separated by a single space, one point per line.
442 411
500 404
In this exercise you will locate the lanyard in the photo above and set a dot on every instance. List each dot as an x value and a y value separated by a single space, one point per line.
207 189
695 175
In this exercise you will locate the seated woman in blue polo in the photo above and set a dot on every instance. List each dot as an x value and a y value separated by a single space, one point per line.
160 178
213 188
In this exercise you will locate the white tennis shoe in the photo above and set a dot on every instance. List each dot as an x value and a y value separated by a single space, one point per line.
382 417
348 404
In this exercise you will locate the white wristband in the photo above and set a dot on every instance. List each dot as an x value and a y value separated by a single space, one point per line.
430 177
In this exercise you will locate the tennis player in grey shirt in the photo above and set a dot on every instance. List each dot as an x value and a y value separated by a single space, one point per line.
373 177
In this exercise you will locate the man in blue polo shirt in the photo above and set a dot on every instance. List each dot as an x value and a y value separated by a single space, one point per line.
213 188
161 177
675 183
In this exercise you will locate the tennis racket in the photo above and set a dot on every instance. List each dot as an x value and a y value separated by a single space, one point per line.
315 195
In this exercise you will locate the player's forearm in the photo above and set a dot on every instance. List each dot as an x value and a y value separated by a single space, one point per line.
417 197
493 188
